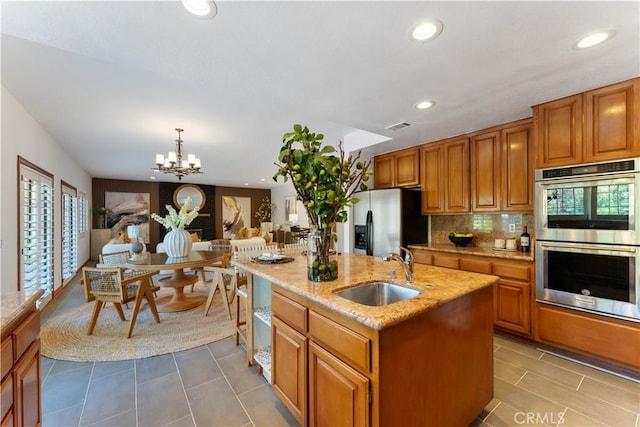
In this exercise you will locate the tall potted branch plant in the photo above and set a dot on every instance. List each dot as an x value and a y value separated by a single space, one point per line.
324 180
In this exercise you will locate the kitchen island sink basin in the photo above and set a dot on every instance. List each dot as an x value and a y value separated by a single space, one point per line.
378 293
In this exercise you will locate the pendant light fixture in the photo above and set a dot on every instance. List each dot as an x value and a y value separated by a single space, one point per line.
174 162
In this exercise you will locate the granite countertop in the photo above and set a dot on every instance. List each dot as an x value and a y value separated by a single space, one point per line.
474 250
439 285
14 304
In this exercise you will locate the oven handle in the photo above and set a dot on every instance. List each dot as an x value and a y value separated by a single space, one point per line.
611 248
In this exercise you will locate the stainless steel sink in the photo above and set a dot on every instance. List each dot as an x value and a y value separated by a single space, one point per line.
378 293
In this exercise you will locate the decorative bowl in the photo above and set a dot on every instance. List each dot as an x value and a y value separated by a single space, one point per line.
460 240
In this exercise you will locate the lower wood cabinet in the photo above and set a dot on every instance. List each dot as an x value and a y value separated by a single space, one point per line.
511 294
289 368
330 370
20 393
27 388
338 394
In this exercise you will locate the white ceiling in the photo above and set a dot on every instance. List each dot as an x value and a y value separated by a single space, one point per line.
111 80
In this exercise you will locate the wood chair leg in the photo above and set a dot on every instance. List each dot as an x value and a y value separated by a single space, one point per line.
136 309
94 316
118 307
152 303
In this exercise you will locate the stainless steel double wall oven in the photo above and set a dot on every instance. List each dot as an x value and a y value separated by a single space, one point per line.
588 237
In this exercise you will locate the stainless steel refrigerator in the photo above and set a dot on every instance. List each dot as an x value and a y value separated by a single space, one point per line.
384 220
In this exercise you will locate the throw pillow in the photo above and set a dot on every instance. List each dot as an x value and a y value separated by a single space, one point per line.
194 237
243 233
123 237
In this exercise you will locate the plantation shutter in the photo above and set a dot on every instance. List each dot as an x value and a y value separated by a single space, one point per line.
36 238
69 233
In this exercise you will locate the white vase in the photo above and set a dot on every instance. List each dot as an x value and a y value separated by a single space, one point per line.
177 243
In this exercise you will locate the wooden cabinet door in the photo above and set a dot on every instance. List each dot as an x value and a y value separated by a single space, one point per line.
338 394
289 368
486 172
517 168
384 171
511 306
432 178
611 122
407 168
27 410
559 132
456 168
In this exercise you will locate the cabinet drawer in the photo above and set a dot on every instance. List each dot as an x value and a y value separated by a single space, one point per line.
446 261
475 266
292 313
336 337
516 272
422 257
6 396
6 356
25 334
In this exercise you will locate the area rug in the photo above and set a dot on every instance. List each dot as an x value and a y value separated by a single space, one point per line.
64 337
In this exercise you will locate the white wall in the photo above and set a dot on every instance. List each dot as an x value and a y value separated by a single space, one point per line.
23 136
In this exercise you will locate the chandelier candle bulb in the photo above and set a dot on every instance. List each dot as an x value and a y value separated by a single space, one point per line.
159 159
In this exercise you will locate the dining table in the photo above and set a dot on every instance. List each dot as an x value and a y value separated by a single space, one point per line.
177 281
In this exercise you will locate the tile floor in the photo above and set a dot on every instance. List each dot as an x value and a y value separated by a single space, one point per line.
212 386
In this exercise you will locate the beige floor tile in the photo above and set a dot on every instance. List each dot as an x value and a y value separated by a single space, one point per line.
517 347
594 373
506 371
617 396
505 415
572 418
524 400
580 402
558 374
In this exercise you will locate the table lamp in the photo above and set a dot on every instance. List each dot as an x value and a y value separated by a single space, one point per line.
137 247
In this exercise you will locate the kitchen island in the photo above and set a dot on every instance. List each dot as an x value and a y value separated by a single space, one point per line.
427 360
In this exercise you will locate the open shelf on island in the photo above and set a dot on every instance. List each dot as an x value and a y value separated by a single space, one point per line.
264 314
262 356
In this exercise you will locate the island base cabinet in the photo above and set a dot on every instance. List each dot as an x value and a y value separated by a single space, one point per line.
437 369
338 394
289 368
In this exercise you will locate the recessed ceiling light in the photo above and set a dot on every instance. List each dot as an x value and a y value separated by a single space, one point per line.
246 183
201 8
427 30
594 39
261 179
423 105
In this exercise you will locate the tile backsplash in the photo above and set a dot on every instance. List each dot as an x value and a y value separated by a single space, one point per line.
485 227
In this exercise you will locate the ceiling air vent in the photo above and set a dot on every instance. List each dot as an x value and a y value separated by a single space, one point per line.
398 126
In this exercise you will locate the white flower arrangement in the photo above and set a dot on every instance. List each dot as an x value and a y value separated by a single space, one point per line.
177 220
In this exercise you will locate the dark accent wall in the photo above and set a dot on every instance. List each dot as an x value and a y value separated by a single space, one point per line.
161 194
204 221
99 186
256 197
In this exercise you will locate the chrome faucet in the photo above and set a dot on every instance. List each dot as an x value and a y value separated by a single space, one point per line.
406 262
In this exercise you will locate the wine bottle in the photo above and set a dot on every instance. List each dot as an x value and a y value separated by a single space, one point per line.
525 240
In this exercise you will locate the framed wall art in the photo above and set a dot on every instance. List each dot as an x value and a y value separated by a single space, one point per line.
124 209
236 213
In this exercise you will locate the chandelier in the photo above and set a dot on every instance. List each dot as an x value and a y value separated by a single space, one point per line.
175 164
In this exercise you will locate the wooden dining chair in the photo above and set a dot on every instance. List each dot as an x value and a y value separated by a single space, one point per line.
221 246
116 259
111 285
293 249
225 279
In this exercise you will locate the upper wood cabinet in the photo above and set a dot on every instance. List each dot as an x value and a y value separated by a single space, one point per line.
598 125
445 176
397 169
502 168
